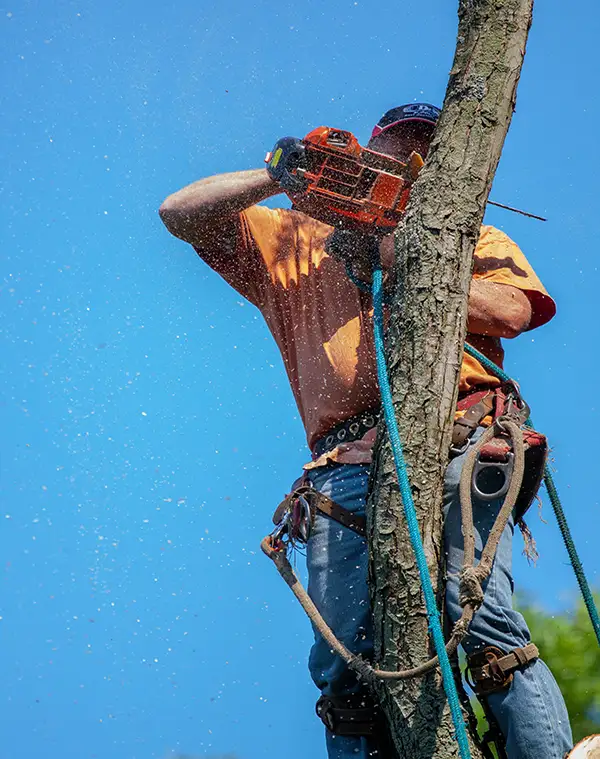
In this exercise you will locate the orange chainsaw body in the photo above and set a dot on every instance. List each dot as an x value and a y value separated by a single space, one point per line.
351 186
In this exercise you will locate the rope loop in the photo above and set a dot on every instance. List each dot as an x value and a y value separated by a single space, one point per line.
470 591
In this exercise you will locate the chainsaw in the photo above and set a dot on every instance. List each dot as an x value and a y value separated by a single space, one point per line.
337 181
345 185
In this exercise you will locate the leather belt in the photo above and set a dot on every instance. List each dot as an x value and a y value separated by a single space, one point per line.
354 522
476 407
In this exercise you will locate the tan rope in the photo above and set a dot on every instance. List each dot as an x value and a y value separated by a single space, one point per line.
471 594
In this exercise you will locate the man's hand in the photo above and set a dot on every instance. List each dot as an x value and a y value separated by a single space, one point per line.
287 155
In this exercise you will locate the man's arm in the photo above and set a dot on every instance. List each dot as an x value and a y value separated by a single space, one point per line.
497 310
205 213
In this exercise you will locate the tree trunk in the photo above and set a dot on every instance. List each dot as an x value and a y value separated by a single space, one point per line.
425 336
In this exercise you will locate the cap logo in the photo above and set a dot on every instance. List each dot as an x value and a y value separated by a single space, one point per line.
421 110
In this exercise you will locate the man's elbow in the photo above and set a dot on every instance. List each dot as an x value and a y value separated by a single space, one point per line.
518 319
179 218
171 214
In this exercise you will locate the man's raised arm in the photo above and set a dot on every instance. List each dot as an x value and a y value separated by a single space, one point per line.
205 213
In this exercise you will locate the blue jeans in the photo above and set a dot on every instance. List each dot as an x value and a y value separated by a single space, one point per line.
531 712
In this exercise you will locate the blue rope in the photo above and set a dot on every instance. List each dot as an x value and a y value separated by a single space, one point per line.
433 614
556 506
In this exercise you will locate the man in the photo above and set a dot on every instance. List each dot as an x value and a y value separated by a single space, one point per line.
321 321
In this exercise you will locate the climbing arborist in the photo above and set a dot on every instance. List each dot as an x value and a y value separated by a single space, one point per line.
292 268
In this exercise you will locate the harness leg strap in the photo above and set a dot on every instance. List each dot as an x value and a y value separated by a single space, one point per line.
492 670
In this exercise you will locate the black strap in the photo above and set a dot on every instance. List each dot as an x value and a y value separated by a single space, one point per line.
349 715
347 431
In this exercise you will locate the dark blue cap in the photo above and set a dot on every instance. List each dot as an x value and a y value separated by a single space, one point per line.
424 112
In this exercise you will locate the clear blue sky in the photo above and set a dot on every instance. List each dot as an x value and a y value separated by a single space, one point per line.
148 427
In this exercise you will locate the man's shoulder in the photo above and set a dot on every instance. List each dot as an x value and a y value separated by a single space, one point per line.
494 243
489 234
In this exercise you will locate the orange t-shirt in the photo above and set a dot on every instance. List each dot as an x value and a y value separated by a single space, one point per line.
322 322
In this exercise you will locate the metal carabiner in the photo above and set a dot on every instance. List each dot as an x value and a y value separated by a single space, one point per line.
280 530
301 517
517 409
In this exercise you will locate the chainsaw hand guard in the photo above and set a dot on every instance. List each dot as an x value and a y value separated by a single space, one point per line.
285 164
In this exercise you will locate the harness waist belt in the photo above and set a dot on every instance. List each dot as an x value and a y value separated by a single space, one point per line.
347 432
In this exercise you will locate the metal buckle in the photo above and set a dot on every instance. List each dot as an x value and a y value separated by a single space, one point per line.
505 467
454 451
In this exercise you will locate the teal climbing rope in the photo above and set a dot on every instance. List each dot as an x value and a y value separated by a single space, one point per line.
556 506
433 614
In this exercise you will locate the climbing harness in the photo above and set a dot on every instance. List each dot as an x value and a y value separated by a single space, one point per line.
495 462
471 594
490 669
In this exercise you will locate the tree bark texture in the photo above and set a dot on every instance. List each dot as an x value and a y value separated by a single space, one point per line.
424 347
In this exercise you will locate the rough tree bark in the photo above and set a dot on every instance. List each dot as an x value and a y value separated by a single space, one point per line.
425 336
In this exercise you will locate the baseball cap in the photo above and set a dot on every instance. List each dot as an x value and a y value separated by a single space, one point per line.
424 112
